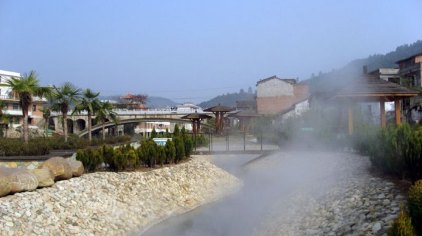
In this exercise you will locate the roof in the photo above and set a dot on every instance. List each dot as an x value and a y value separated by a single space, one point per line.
196 116
375 88
244 113
290 81
408 58
219 108
10 73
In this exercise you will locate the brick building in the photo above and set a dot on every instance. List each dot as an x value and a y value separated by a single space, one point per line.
278 96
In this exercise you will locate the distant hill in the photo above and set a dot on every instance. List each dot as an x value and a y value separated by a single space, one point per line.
325 82
228 99
152 102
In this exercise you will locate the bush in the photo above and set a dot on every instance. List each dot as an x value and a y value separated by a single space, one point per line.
395 150
415 205
180 149
402 225
108 153
132 159
119 160
15 147
161 155
188 146
170 152
90 158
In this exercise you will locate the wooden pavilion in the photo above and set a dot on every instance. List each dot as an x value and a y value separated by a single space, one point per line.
244 117
372 89
219 111
196 121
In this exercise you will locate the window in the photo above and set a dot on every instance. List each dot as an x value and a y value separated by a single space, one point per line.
15 106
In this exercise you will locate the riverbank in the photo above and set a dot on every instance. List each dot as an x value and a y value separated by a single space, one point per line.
106 203
344 197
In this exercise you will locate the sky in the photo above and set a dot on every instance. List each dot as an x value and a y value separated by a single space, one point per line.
190 50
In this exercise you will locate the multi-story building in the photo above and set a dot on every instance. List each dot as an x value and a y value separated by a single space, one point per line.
12 107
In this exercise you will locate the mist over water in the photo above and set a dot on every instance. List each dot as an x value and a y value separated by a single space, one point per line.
269 184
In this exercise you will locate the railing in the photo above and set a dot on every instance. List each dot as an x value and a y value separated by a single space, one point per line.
165 111
8 97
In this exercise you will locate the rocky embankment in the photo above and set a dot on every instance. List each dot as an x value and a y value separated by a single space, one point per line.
106 203
346 199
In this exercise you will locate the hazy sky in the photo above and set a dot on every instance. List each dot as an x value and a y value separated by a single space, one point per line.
194 50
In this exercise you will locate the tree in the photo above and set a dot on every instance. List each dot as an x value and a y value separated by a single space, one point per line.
176 131
153 133
46 113
26 88
89 103
104 113
4 118
62 98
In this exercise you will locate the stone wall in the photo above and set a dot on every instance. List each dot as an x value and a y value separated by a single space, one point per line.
107 203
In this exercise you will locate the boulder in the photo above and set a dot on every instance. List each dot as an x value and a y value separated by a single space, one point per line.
20 179
59 167
4 186
77 167
44 176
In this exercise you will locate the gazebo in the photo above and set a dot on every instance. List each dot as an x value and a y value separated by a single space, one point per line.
244 117
196 121
372 89
219 112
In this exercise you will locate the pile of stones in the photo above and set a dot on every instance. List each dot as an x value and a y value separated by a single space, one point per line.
15 180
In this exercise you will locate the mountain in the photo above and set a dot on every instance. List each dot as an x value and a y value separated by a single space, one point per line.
229 99
326 82
152 102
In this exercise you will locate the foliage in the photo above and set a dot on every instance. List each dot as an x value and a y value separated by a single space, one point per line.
162 156
89 102
15 147
170 152
27 87
180 149
396 150
229 99
415 204
176 131
402 225
90 158
62 98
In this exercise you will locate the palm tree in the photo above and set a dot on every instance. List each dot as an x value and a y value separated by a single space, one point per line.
90 103
26 87
104 112
46 113
62 99
3 124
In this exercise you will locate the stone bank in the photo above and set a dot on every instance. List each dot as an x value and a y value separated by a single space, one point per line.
107 203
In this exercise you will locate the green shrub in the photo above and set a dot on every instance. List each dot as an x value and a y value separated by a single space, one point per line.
415 205
108 153
180 149
161 152
132 159
402 225
170 152
90 158
188 146
119 160
15 147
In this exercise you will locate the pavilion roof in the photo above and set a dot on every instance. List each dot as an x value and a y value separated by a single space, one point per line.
371 87
244 113
219 108
196 116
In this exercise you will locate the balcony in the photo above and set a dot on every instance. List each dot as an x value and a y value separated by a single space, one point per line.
8 97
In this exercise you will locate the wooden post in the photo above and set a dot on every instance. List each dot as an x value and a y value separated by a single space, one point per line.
382 113
350 118
397 111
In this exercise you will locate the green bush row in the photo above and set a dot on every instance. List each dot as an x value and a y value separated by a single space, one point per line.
148 154
16 147
42 146
396 150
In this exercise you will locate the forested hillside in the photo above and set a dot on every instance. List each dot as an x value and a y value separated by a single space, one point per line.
229 99
326 82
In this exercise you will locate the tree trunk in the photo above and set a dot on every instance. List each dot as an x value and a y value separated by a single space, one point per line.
89 126
25 128
65 126
103 128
